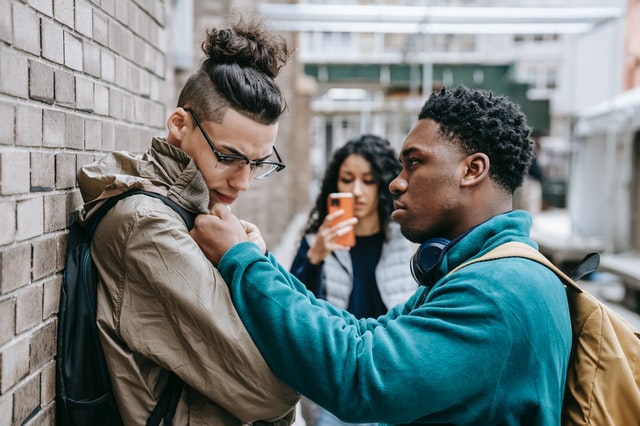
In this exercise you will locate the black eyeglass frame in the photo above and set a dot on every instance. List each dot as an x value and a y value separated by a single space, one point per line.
278 166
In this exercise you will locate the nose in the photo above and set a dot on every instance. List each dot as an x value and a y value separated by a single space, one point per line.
398 185
357 187
240 179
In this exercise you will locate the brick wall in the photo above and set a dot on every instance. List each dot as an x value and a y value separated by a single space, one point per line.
77 78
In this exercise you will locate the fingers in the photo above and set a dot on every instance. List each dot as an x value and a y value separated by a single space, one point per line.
221 210
329 218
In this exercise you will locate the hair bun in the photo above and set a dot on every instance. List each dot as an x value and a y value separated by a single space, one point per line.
247 44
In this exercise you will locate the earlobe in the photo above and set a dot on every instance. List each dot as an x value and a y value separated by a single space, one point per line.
476 170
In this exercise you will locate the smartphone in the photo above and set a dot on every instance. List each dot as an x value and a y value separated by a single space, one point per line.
342 201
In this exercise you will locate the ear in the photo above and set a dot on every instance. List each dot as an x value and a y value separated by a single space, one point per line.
476 169
178 124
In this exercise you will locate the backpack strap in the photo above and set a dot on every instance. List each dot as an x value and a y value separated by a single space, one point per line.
517 249
186 215
166 406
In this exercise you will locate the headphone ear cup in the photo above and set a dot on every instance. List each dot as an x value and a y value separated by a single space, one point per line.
426 259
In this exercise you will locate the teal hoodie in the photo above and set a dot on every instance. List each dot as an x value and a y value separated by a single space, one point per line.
486 345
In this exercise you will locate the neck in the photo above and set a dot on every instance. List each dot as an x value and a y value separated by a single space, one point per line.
367 226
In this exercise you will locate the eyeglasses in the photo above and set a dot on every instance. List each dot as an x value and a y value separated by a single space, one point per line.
232 162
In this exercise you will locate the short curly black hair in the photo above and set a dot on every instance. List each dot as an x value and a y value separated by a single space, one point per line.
480 121
385 166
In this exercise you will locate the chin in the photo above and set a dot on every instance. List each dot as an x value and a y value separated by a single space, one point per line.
412 235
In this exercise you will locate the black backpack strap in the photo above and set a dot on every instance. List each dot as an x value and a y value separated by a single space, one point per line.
589 264
166 406
186 215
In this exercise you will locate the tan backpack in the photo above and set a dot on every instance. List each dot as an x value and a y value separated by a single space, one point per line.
603 376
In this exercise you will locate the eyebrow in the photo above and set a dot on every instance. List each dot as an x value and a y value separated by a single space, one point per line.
407 152
234 151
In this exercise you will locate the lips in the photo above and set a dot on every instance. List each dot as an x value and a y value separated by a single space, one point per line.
224 199
397 205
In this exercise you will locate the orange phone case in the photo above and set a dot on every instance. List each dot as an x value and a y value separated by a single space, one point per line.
342 201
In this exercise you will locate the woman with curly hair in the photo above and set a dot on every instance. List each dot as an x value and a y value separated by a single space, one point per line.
164 311
374 275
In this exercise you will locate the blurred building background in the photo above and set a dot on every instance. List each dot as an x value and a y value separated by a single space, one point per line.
79 78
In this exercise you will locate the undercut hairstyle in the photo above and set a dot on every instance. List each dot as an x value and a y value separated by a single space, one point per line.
239 70
384 168
480 121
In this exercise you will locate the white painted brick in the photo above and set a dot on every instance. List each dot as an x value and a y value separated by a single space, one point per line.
14 172
7 124
15 363
51 298
84 18
128 106
65 170
25 25
115 103
123 139
53 125
41 82
134 79
84 94
92 134
26 399
74 131
160 39
7 222
6 23
108 65
65 90
43 167
52 42
63 11
122 72
108 137
141 110
115 36
91 59
14 69
28 126
7 322
101 99
100 28
55 210
15 268
160 64
127 45
43 6
6 406
44 260
144 83
30 218
122 11
72 51
28 307
48 385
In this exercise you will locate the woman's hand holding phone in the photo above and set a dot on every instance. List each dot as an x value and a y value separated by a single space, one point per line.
336 231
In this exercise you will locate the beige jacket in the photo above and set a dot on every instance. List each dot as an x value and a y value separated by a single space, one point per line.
163 306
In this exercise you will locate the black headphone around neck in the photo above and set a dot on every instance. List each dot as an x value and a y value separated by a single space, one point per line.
427 259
